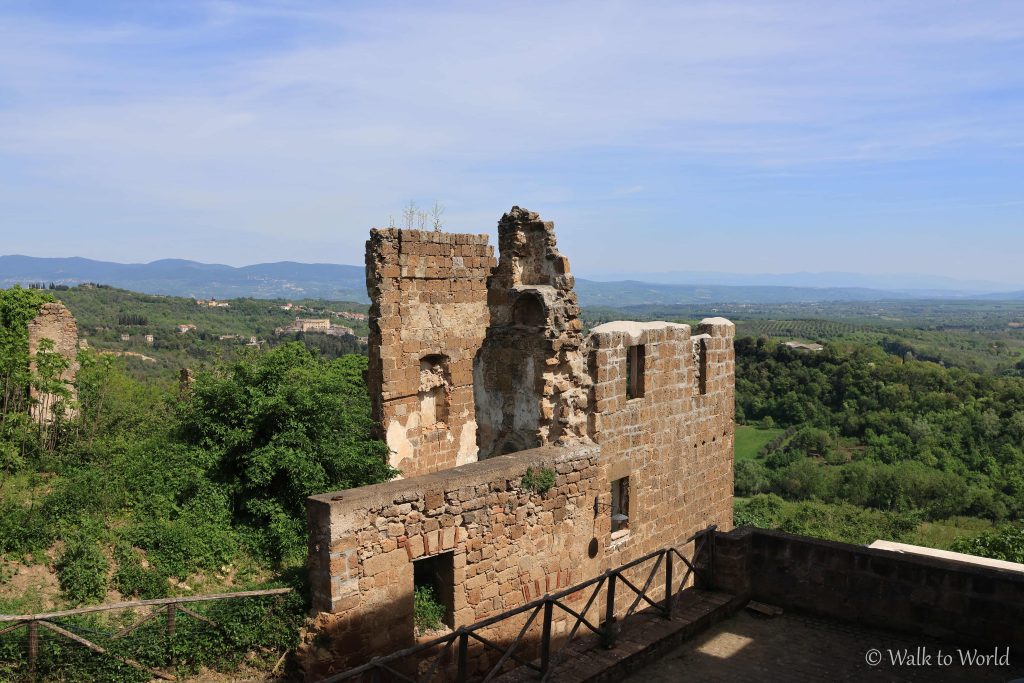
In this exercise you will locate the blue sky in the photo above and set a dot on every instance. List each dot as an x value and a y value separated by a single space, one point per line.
874 137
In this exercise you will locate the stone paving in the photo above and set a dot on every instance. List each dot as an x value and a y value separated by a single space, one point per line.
790 647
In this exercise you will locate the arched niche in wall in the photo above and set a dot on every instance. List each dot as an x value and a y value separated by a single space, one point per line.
435 386
528 310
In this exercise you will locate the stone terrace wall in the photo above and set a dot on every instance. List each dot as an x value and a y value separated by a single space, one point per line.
55 323
937 597
429 297
674 443
509 546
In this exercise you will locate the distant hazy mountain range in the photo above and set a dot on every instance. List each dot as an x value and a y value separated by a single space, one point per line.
290 280
178 277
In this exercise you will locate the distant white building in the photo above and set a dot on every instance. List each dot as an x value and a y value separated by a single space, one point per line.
182 329
802 346
322 325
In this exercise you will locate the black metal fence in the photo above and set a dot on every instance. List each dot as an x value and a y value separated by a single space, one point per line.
454 647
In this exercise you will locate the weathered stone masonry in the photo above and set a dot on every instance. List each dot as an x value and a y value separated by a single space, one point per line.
428 318
486 364
54 322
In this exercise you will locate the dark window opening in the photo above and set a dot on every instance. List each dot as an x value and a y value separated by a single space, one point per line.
620 505
635 372
701 365
437 573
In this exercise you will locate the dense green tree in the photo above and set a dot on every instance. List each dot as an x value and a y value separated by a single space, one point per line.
921 437
280 426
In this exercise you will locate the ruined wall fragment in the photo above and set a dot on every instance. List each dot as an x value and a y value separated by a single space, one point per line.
54 322
532 385
427 322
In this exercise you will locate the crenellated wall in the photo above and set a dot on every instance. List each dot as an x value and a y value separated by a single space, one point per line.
674 443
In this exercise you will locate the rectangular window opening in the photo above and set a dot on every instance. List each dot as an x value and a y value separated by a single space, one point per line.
702 366
635 372
620 507
434 587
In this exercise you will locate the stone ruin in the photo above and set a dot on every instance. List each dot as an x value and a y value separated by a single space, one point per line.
54 322
479 370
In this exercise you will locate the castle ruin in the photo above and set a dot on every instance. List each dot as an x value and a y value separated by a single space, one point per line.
480 373
55 323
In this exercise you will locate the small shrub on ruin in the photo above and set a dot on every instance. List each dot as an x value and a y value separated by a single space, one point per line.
538 481
427 609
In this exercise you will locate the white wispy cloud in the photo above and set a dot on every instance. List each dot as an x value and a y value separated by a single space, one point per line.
317 119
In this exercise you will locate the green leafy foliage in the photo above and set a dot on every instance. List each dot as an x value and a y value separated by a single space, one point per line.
20 440
836 522
1005 543
254 631
428 611
278 427
540 480
883 432
154 486
82 570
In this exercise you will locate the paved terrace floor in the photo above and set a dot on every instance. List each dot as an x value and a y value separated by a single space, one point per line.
799 648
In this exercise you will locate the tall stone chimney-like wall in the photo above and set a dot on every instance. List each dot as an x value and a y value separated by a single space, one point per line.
427 322
532 384
55 323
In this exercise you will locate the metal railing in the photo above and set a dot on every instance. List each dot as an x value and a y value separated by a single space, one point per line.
170 607
390 667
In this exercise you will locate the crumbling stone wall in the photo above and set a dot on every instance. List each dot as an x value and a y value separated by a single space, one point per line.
532 386
508 546
427 322
54 322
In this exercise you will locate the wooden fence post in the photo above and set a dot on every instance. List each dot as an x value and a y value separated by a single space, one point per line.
463 657
172 609
545 639
33 647
669 597
609 613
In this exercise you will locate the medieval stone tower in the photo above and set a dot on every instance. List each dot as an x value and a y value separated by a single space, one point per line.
479 372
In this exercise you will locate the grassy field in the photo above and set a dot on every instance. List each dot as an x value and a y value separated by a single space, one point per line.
750 440
942 533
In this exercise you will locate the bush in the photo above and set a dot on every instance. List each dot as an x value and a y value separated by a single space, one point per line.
82 571
197 535
539 481
427 610
765 511
1005 543
278 427
751 478
133 580
24 529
